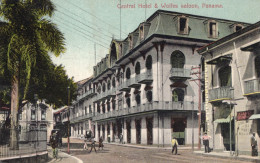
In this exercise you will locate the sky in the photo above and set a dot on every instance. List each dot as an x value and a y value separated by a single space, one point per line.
90 25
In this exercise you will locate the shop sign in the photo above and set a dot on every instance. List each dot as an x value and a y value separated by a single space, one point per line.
244 115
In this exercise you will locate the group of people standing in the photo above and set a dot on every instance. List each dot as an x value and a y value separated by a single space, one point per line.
90 138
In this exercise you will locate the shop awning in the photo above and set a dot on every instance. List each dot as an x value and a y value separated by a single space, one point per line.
224 120
255 116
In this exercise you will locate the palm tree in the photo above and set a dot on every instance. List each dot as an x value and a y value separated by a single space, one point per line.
26 33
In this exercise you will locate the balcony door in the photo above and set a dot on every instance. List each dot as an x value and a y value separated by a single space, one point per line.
138 131
225 77
177 95
177 59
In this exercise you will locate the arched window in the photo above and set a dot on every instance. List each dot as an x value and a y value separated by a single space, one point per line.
108 106
104 87
128 73
103 108
108 85
177 95
99 89
114 104
149 96
137 68
224 74
257 66
98 108
114 82
177 59
138 99
149 62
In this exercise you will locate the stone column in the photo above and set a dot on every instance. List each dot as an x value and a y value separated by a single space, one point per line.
143 131
133 131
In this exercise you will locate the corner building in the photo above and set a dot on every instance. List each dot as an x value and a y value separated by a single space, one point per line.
232 77
149 87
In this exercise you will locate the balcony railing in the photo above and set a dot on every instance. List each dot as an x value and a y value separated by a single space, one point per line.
221 93
125 85
252 87
103 95
86 94
153 106
180 73
82 117
146 77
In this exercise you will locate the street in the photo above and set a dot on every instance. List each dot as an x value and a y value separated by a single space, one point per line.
114 153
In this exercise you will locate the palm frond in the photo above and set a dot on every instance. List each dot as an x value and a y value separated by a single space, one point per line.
41 7
51 37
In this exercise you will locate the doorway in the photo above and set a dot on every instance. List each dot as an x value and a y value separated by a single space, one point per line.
178 126
149 125
128 131
138 131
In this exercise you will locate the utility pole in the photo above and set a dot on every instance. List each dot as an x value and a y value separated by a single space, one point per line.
198 74
68 120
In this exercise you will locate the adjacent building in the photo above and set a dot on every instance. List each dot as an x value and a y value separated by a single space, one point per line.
149 87
35 116
232 86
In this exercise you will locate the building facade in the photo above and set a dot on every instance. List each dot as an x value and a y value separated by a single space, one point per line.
232 72
32 117
61 120
148 88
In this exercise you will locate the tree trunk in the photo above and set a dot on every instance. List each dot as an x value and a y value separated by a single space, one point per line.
14 111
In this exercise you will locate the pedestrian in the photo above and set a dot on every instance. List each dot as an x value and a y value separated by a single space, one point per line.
254 145
205 139
85 143
93 145
174 145
54 144
100 144
121 138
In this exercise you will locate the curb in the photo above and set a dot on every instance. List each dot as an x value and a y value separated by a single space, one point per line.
78 160
229 157
147 147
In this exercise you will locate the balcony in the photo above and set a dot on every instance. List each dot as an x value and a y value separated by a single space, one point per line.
146 77
125 85
180 74
134 83
252 87
147 107
220 94
81 118
86 94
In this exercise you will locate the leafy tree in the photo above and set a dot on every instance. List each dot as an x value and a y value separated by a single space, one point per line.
26 34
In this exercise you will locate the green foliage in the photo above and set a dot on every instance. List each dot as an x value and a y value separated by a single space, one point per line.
27 37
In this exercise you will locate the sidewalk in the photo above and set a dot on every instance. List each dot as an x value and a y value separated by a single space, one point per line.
227 155
62 157
148 147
